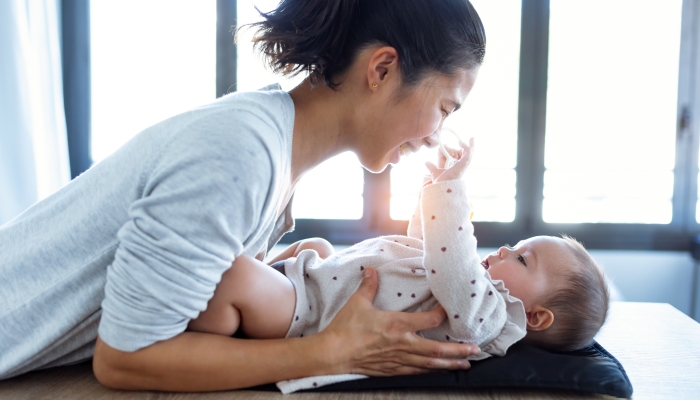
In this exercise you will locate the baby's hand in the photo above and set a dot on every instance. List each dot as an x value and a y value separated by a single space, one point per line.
457 170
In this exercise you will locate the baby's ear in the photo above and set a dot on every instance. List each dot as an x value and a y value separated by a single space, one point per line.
539 319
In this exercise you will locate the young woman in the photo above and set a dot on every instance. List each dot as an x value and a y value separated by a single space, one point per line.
118 262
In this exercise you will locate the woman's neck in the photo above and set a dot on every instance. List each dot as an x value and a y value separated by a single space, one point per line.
323 126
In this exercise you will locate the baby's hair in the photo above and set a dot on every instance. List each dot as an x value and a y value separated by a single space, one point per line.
580 304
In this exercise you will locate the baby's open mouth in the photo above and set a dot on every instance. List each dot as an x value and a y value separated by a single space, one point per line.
485 263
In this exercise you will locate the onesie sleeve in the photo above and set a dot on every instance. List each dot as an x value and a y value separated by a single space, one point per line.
476 312
415 226
201 205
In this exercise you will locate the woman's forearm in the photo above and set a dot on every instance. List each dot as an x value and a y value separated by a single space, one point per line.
360 339
195 361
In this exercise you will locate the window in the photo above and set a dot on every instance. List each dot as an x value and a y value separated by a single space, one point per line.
582 116
151 59
611 111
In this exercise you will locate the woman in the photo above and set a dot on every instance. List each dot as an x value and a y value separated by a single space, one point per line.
120 260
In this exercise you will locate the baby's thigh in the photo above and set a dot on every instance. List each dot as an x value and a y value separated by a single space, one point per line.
264 297
250 295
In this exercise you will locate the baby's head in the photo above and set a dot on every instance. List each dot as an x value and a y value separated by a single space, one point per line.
564 291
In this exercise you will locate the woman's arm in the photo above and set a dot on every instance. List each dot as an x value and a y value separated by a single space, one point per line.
361 339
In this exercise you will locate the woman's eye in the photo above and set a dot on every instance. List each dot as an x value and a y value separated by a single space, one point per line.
522 260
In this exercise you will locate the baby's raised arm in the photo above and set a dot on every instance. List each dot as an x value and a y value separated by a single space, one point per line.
476 312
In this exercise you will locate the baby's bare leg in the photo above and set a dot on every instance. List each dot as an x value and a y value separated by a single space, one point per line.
253 296
322 247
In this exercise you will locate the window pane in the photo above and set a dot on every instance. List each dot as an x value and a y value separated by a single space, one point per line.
151 59
333 190
490 115
611 110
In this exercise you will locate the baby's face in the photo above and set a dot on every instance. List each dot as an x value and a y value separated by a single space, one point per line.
531 268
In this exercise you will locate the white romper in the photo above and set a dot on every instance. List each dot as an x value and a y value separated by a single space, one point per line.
436 263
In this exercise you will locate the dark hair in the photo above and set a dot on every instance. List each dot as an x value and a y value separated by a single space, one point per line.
323 37
580 305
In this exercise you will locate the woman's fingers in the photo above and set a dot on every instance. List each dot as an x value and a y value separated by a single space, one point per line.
368 287
443 354
421 321
425 363
381 343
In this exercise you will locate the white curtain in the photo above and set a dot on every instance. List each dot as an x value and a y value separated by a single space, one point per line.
33 143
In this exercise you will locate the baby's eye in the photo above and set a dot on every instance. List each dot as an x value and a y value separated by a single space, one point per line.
522 260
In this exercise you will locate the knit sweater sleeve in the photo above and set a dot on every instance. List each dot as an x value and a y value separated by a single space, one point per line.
476 312
201 205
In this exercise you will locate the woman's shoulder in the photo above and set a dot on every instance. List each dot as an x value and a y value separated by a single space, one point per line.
269 105
231 124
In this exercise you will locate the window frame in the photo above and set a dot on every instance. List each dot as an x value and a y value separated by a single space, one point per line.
677 235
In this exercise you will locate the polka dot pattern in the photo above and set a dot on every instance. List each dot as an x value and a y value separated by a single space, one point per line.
439 235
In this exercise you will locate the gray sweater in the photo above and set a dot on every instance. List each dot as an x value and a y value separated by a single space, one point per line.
133 248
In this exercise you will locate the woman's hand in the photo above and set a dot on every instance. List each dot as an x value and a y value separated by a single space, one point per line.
464 157
364 340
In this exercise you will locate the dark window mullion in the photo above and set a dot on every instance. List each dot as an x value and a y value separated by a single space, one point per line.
75 57
687 143
226 18
532 107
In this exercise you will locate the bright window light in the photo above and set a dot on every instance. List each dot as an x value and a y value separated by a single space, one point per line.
611 111
490 115
151 59
333 190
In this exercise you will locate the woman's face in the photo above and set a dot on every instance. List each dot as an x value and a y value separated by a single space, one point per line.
412 118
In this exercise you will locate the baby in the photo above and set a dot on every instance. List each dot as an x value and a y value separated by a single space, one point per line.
547 291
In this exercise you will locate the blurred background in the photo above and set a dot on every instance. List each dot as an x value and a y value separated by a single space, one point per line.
582 116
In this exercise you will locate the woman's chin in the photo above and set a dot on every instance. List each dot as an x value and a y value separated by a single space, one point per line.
378 166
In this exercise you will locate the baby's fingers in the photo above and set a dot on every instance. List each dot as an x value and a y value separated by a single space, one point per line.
466 150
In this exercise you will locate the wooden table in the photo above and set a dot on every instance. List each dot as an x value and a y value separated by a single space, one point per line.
658 345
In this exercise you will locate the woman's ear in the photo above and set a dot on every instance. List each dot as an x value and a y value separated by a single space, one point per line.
383 65
539 319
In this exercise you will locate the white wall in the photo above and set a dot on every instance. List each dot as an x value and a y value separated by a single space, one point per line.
644 276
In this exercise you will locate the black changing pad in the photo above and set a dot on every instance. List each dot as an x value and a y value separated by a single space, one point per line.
592 369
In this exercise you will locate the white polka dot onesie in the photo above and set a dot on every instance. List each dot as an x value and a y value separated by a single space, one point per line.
436 263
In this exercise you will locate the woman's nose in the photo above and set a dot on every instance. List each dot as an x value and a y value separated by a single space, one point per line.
432 140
